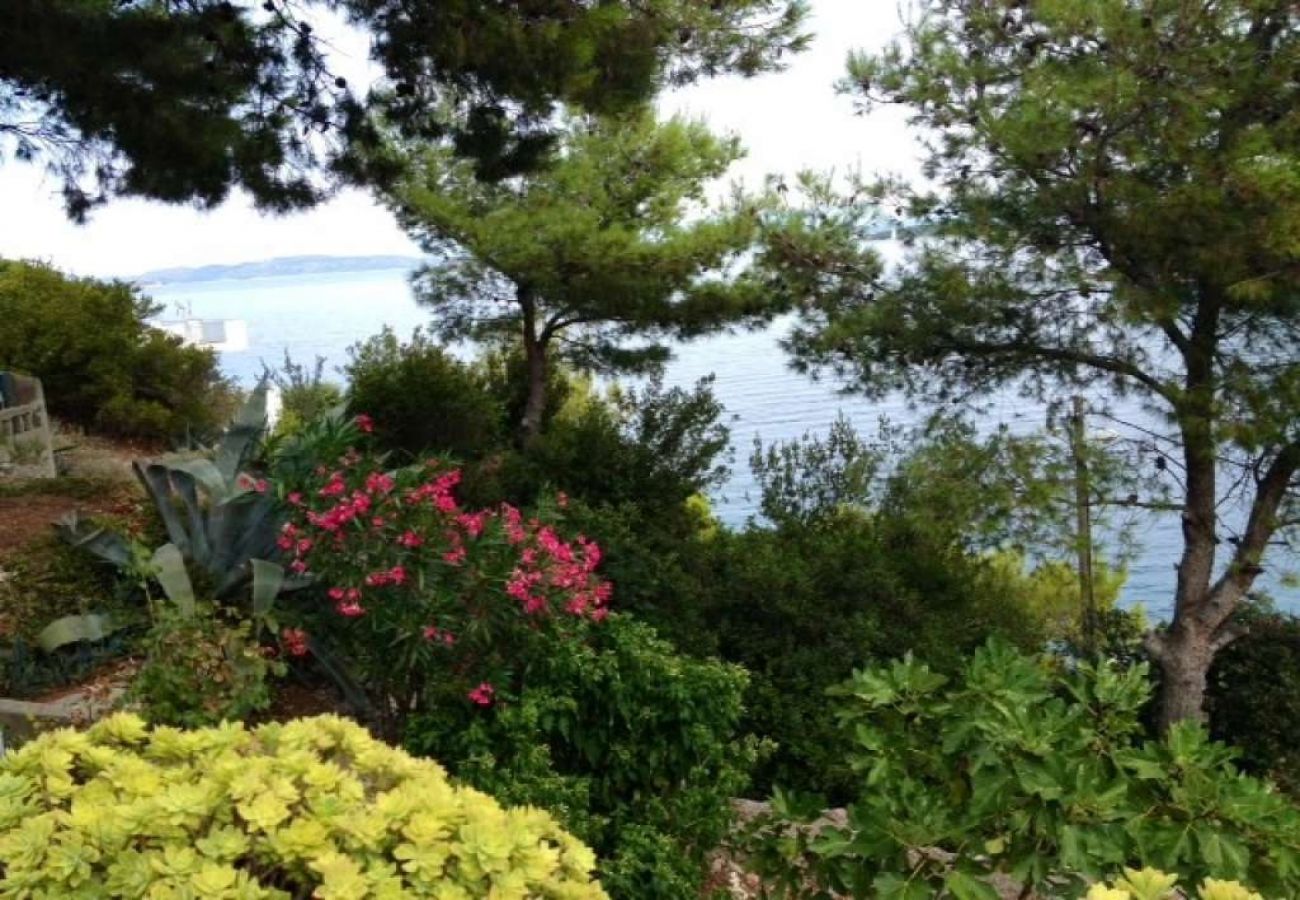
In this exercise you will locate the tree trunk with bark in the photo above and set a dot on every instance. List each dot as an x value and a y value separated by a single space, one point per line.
1203 606
535 360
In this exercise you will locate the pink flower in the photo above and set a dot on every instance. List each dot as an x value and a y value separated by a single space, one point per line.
410 539
284 542
304 545
365 423
599 614
473 522
482 695
455 557
295 641
260 485
298 567
377 579
336 593
397 575
294 498
379 483
433 633
377 522
351 609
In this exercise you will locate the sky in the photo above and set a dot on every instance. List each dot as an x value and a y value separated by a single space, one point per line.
789 121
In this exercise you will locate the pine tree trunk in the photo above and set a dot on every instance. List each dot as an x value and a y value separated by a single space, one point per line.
530 426
1185 656
535 404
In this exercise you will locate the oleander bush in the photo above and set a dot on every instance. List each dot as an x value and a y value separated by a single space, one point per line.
1023 767
101 364
311 808
428 602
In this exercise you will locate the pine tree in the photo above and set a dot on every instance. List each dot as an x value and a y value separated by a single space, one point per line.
611 243
183 100
1116 206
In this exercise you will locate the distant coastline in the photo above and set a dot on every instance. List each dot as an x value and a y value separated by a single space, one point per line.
281 265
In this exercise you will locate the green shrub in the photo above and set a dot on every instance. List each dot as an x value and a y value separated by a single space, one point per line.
201 669
632 746
312 808
1254 696
1043 773
799 606
421 399
654 447
101 365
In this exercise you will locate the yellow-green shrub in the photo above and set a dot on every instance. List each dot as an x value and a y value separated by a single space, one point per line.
1151 884
312 808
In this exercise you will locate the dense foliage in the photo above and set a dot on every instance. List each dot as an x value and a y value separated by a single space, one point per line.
315 807
1099 176
633 747
1020 767
183 102
1254 696
101 365
800 606
422 399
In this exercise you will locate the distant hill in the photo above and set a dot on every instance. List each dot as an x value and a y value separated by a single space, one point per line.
282 265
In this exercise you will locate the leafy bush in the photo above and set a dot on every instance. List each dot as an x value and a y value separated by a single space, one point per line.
655 447
1254 696
421 398
799 606
201 669
314 808
1151 884
1036 772
430 601
633 747
101 365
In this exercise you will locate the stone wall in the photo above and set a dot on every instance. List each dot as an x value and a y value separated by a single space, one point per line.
26 442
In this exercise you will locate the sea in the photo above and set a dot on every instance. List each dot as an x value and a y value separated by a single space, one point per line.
324 314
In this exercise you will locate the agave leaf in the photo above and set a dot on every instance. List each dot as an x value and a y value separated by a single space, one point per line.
253 528
202 470
158 485
70 629
245 429
268 579
169 570
186 487
101 542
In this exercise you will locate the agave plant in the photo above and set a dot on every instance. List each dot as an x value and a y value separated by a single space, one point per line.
220 527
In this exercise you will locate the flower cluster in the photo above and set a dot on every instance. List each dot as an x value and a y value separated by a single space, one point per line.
416 573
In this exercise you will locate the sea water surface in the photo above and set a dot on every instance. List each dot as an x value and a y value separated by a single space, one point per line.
311 315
